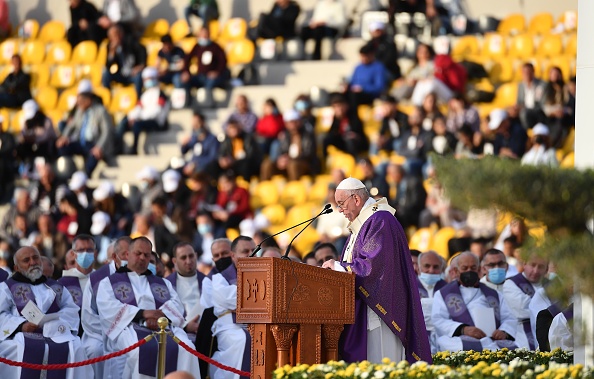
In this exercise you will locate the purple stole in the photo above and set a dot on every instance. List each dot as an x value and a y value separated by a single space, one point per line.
123 291
458 311
555 310
95 278
35 343
528 289
423 291
72 284
230 275
173 279
3 275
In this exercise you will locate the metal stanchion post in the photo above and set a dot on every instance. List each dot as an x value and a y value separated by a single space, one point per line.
163 323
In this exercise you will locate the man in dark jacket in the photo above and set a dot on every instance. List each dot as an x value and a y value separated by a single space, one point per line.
212 67
126 59
346 132
407 195
394 124
84 26
280 22
16 88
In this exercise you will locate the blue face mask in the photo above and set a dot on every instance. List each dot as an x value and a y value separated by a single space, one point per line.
429 279
203 41
204 229
152 268
301 105
150 83
85 260
497 275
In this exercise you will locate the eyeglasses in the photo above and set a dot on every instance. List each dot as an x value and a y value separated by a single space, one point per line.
341 204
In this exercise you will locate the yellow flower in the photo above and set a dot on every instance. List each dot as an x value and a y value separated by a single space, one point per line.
329 375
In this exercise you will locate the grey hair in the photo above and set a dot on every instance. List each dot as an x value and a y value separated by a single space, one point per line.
363 193
221 240
19 192
465 254
431 252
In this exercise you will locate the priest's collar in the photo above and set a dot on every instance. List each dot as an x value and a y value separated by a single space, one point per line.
125 270
369 208
17 276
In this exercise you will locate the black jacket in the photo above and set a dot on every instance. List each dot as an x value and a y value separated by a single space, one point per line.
19 85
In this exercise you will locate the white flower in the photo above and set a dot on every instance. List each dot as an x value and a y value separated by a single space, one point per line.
364 375
379 375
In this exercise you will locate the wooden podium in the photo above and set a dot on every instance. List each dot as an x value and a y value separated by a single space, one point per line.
295 312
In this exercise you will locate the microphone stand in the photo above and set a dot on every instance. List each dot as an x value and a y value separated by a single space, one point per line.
327 209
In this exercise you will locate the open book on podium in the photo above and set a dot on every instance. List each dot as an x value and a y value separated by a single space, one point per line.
295 312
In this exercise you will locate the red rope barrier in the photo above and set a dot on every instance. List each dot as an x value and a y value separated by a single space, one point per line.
208 359
76 364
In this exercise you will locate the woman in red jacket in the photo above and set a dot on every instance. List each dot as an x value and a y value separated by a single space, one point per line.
269 125
233 204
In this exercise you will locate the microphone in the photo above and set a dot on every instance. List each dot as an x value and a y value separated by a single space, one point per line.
327 209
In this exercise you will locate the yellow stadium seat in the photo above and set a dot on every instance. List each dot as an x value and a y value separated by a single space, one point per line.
506 95
440 241
33 52
29 29
568 161
275 213
338 159
52 31
569 143
102 53
494 46
318 192
67 99
521 46
179 30
16 122
59 52
40 75
214 28
421 240
124 99
541 23
265 193
465 46
294 192
4 119
561 61
92 72
550 46
233 30
299 213
571 45
232 233
306 240
55 115
46 98
63 76
187 44
104 94
8 48
502 71
152 52
569 19
156 29
239 52
512 24
85 53
4 72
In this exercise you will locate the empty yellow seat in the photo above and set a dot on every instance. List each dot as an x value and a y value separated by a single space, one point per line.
439 243
318 192
521 46
46 98
571 45
550 46
124 99
33 52
494 46
156 29
85 53
293 193
179 30
233 30
239 52
52 31
265 193
214 28
421 240
541 23
59 52
275 213
67 99
40 75
63 76
502 71
92 72
299 213
102 53
506 95
512 24
465 46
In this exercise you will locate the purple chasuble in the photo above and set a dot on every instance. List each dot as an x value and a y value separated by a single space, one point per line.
528 289
173 279
35 342
385 282
124 292
72 284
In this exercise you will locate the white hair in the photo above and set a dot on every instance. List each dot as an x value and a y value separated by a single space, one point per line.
465 254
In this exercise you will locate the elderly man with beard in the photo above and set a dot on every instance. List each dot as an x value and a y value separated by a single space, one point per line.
51 338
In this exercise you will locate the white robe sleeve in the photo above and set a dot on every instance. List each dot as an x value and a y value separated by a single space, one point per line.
89 315
9 317
560 336
206 297
224 295
508 322
68 319
442 322
516 300
173 308
115 316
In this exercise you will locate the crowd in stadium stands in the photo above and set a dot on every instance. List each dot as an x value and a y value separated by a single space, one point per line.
382 125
